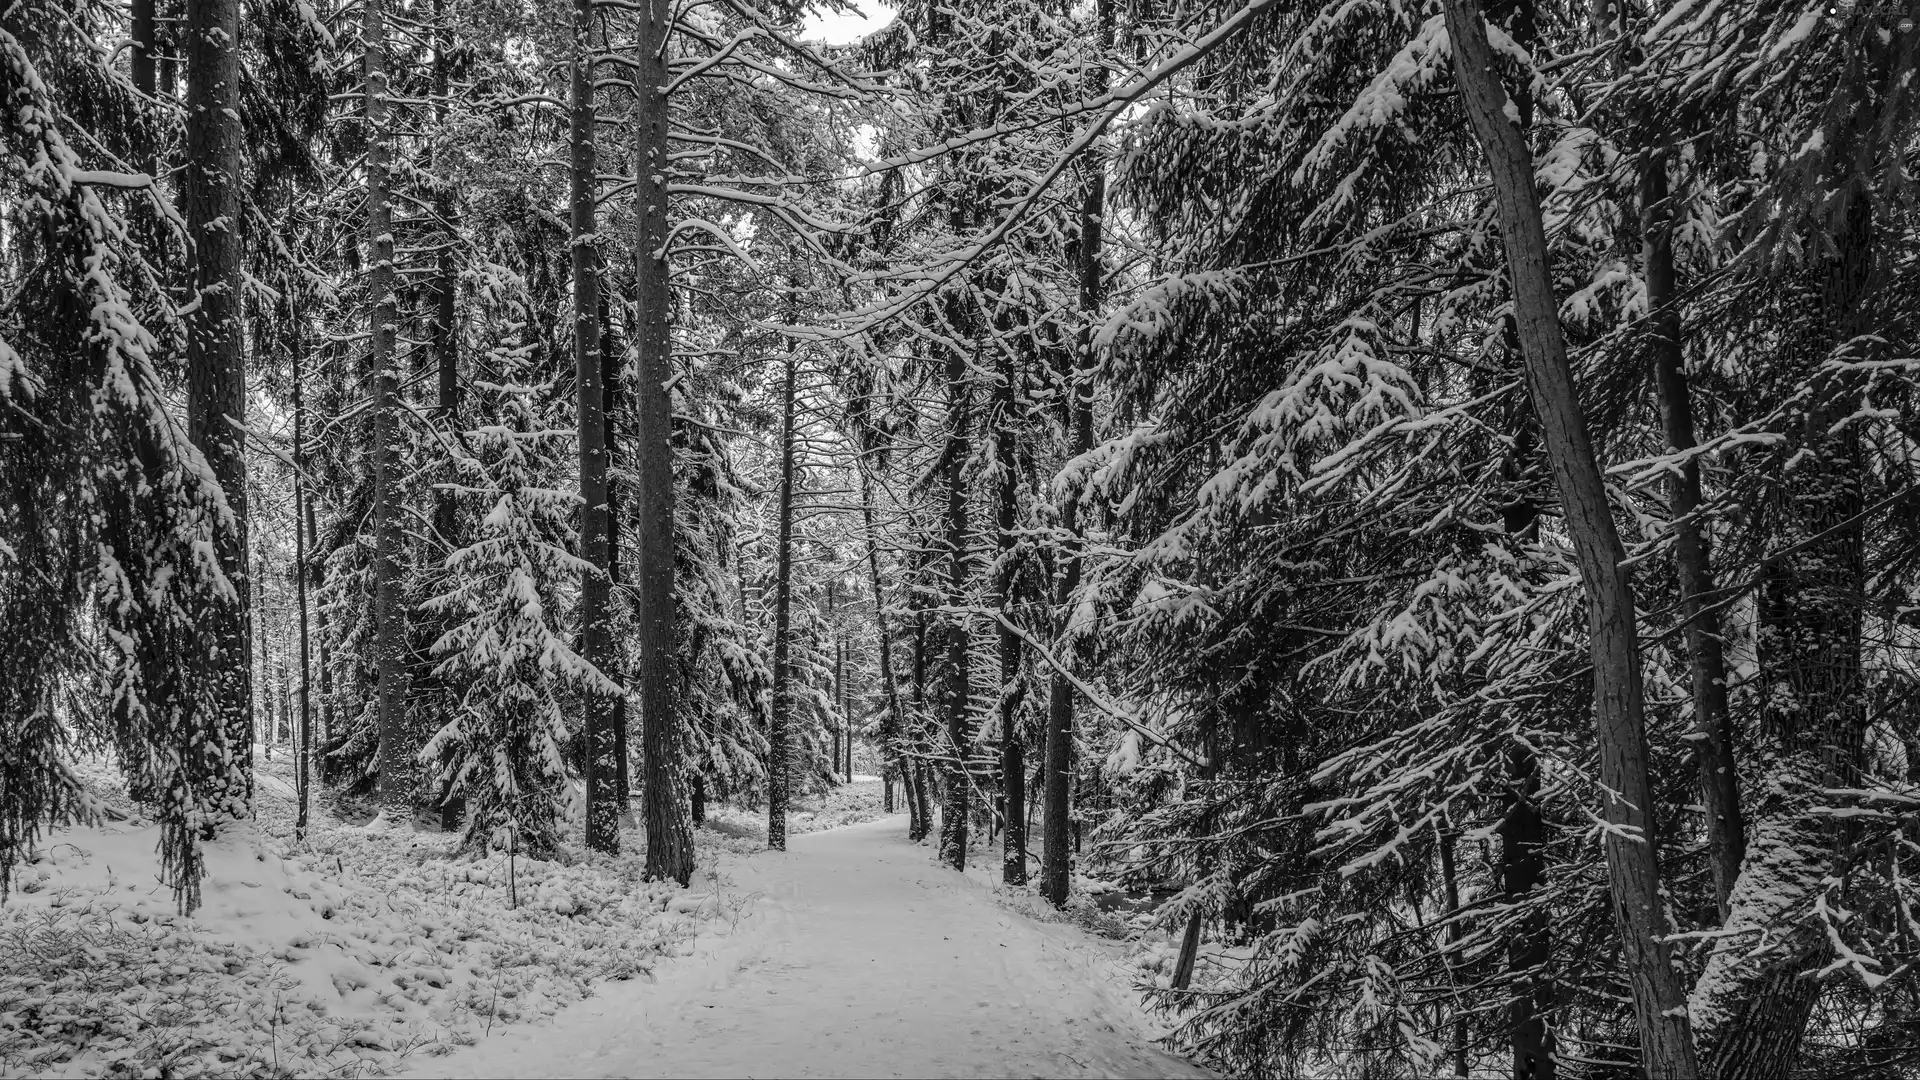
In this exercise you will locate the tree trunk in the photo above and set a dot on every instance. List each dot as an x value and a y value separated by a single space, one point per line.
216 370
669 836
596 622
1523 864
1759 989
839 728
1054 843
1450 897
611 384
1666 1044
1713 731
953 815
780 730
260 655
324 660
1013 760
1189 952
443 341
923 808
396 749
303 752
144 46
889 726
1522 871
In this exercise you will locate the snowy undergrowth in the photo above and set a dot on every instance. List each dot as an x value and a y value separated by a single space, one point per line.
340 956
1147 950
843 804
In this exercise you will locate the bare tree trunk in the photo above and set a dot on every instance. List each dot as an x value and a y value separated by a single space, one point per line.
396 750
1758 992
263 679
1450 897
324 659
1013 759
838 729
216 367
1666 1043
669 836
1522 871
919 828
953 815
443 341
444 344
303 752
611 382
1719 782
890 726
144 46
1058 767
779 767
1522 829
596 629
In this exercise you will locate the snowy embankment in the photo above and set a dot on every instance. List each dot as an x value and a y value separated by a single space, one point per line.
343 955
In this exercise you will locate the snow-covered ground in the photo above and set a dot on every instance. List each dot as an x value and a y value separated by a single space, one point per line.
346 954
857 955
842 804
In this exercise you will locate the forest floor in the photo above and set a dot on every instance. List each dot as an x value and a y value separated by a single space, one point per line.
852 954
348 953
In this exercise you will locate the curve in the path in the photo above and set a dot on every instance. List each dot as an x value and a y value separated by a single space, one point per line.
861 957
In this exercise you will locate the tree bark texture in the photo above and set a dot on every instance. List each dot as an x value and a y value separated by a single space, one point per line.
596 608
1058 766
1013 760
443 341
1666 1044
1712 724
922 801
953 814
669 836
389 616
779 731
1757 994
304 764
216 369
611 384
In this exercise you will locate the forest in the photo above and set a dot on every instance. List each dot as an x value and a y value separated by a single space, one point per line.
1418 496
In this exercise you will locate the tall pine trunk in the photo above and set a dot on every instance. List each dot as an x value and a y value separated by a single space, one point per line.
323 661
216 367
669 836
1013 759
953 814
922 817
396 750
1057 771
610 382
596 627
780 730
1666 1043
1712 724
1760 986
1522 857
443 342
836 730
303 753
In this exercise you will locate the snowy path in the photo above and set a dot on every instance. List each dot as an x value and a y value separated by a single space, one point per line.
860 957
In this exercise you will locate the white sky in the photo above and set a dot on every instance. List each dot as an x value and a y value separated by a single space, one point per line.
840 29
